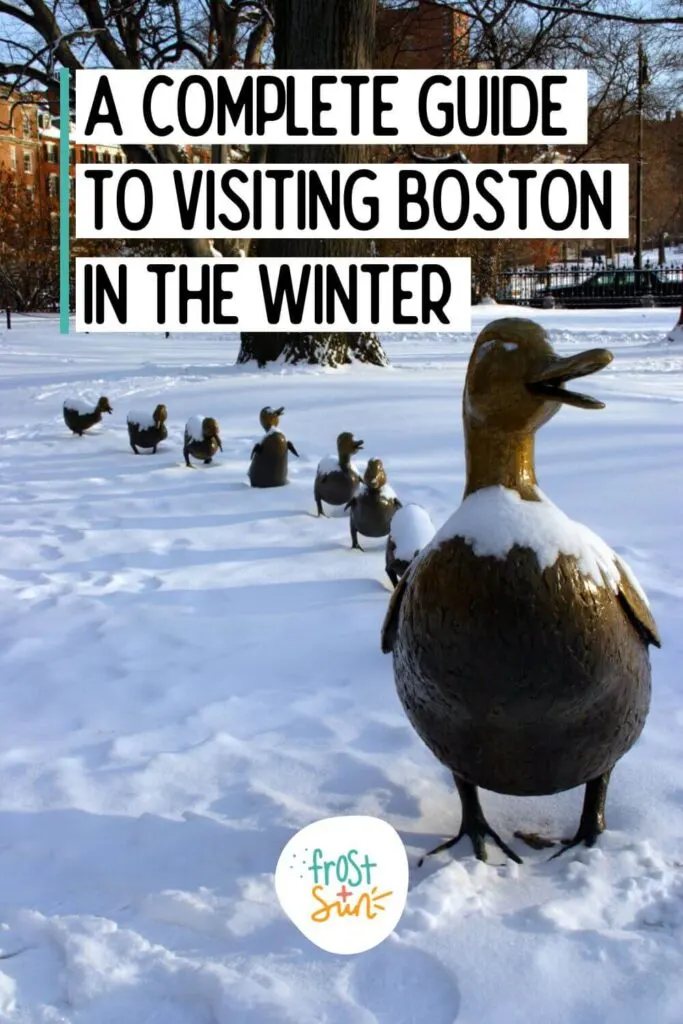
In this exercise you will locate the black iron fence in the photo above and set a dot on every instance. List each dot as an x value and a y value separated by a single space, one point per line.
583 287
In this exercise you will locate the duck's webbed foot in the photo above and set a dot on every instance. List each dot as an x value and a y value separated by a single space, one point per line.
592 822
475 826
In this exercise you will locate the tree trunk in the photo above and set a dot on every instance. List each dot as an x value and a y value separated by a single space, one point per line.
317 34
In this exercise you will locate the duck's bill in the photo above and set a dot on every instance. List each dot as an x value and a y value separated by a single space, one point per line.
550 383
357 445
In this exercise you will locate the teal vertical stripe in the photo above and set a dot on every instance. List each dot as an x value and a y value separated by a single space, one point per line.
64 200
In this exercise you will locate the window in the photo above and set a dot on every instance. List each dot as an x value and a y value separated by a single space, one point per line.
51 155
72 188
26 124
52 185
28 162
13 157
43 119
72 156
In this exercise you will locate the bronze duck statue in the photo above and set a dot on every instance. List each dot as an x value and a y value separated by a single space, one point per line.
373 505
147 430
269 458
80 416
520 641
337 479
202 439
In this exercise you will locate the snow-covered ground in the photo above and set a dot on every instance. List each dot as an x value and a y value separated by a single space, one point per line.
190 671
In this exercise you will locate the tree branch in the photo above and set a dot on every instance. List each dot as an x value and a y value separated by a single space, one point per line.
588 12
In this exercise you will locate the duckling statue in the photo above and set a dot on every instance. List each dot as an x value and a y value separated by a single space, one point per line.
80 416
520 640
202 439
269 457
147 431
411 530
337 479
373 505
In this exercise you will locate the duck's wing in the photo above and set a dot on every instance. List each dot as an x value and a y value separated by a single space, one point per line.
635 606
390 624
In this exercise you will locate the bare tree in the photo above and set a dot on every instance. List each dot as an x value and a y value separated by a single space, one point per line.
318 34
29 273
37 37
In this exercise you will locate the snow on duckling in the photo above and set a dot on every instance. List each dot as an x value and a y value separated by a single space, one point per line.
411 530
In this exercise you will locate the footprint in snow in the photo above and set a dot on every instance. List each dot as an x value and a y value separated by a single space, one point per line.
377 737
50 552
69 534
151 583
400 984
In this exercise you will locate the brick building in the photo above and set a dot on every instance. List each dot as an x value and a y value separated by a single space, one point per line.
29 147
422 34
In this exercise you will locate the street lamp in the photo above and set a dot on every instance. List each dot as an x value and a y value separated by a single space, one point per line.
643 80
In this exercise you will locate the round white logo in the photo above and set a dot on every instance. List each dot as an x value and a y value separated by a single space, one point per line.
344 882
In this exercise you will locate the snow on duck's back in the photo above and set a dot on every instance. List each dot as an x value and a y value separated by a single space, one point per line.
194 428
143 420
387 492
411 530
496 519
330 464
79 406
